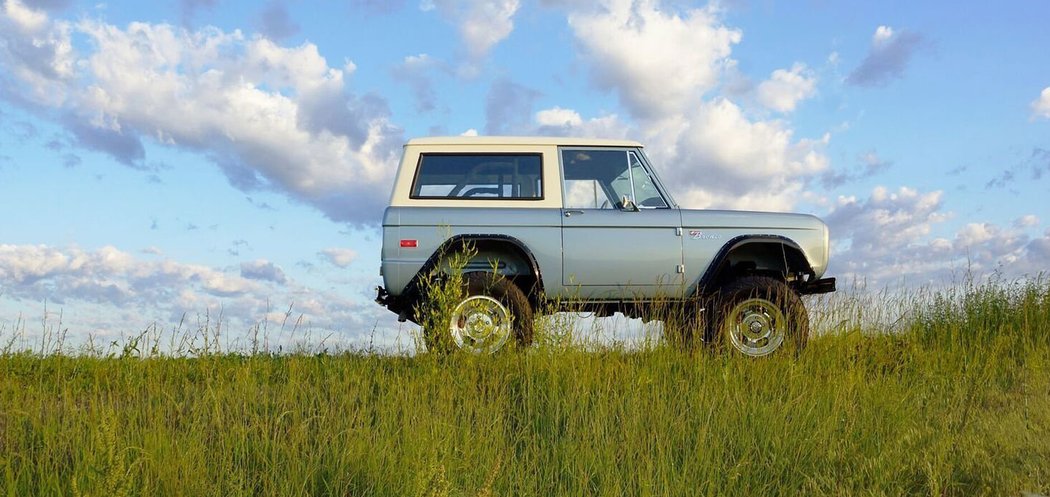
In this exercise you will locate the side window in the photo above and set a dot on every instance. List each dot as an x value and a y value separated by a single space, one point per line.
479 176
585 194
595 179
645 192
599 179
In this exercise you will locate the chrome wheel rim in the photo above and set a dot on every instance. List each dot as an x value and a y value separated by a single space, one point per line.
756 327
480 324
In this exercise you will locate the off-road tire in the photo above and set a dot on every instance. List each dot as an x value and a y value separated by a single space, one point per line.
506 293
743 307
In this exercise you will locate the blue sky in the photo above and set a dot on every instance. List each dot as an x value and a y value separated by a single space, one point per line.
197 157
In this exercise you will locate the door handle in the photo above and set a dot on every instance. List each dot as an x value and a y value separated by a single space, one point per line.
572 212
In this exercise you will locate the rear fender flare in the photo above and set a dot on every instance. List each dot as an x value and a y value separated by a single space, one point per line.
482 242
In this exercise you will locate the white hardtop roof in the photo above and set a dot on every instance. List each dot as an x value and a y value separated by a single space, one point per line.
522 140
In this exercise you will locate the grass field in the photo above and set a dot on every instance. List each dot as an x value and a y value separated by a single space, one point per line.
956 401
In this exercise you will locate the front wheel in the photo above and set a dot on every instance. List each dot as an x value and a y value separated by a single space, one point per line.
758 315
492 312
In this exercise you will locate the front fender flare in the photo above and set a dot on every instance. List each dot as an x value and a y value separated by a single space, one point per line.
791 258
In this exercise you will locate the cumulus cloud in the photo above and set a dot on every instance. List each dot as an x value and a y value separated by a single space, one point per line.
1041 105
659 62
1026 221
340 257
786 88
129 293
558 117
718 157
39 272
482 24
887 219
271 117
558 121
36 55
889 237
666 66
888 57
886 235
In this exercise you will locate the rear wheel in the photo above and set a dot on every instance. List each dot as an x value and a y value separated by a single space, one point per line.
758 315
492 313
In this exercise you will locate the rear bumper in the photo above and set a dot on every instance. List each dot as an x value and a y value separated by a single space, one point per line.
823 285
395 303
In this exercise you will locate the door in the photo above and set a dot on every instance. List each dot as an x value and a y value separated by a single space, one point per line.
620 237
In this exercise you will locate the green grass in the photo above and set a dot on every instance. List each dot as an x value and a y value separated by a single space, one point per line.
955 402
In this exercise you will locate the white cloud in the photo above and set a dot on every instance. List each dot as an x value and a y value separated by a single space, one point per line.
113 291
1026 221
558 116
37 52
1041 105
897 217
659 62
482 24
718 157
487 23
558 121
349 67
271 117
341 257
889 237
662 63
976 233
786 88
38 272
882 36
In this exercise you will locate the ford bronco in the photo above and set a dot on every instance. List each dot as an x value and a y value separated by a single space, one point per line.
588 223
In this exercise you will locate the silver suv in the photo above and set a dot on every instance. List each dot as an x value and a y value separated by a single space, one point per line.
554 223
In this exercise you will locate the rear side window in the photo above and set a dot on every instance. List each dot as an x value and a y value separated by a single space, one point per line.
479 177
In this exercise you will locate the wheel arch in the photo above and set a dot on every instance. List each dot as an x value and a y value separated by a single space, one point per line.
519 264
766 255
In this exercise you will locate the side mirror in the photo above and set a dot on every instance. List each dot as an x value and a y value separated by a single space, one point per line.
628 205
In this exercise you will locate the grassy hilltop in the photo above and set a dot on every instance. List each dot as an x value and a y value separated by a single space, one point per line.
955 402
